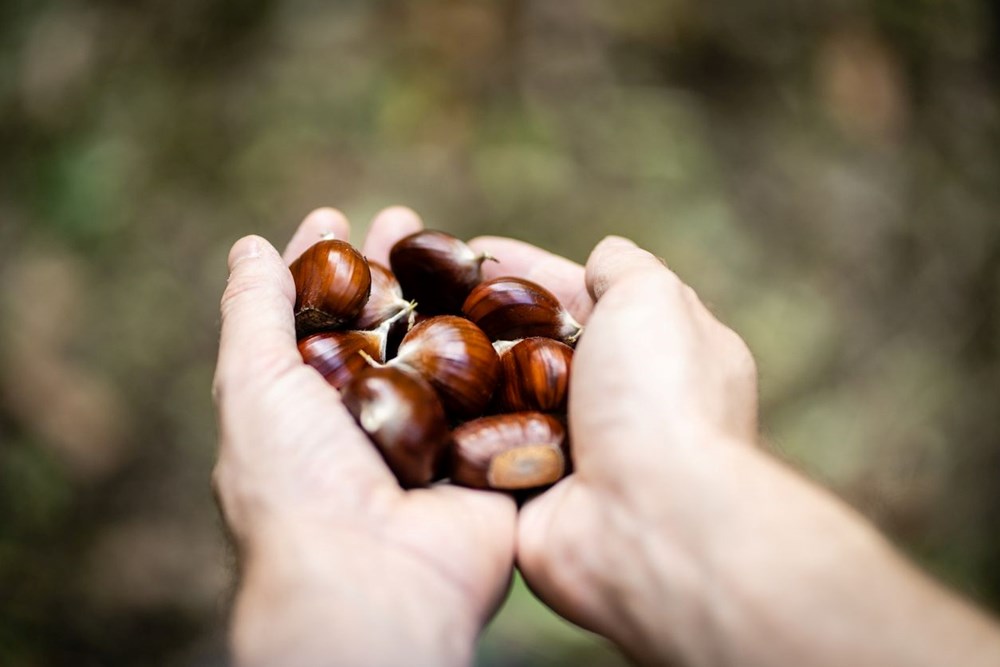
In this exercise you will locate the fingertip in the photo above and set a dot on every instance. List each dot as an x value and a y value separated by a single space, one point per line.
615 258
321 222
249 247
612 242
399 216
325 221
245 248
388 226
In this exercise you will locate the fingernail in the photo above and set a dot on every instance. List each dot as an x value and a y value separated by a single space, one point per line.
325 219
619 241
246 248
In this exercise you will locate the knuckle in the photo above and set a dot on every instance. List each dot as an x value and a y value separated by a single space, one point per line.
658 284
238 290
263 369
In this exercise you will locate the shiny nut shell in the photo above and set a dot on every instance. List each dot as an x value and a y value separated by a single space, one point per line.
332 283
534 375
520 450
437 270
384 301
512 308
337 354
456 358
403 416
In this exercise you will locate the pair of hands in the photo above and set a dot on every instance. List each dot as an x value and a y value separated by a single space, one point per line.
317 513
675 537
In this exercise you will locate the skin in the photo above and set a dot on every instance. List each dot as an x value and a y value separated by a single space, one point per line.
676 537
339 565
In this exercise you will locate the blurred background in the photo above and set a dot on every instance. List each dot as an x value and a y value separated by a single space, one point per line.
826 173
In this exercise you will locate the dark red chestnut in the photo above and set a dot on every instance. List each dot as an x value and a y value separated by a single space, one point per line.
436 270
512 308
456 358
534 375
340 355
332 283
519 450
403 416
384 301
337 354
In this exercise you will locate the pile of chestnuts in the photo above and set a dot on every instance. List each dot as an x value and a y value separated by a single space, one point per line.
452 377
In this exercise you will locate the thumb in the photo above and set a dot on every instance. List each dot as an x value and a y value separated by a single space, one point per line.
258 328
616 259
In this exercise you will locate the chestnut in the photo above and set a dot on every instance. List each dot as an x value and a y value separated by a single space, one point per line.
511 308
456 358
534 375
384 301
403 416
332 283
437 270
519 450
337 354
340 355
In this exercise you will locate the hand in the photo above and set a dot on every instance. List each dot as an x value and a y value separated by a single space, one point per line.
676 537
658 384
339 565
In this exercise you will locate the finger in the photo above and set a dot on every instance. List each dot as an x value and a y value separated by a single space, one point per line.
319 223
258 327
562 277
616 259
542 557
389 226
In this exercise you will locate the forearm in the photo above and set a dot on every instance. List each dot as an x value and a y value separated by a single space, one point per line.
300 604
791 576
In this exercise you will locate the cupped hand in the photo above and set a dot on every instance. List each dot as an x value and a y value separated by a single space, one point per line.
659 390
676 537
339 564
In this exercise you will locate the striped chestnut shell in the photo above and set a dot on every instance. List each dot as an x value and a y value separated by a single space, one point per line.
457 358
534 375
332 283
511 308
518 450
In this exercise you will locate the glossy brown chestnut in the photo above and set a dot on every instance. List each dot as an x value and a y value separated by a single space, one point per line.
403 416
340 355
519 450
384 301
337 354
534 375
512 308
436 270
332 283
456 358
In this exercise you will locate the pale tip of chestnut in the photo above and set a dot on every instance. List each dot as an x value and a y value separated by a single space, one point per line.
526 467
572 330
369 359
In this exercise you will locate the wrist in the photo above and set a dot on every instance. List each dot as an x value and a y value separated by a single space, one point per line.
776 571
685 557
312 595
